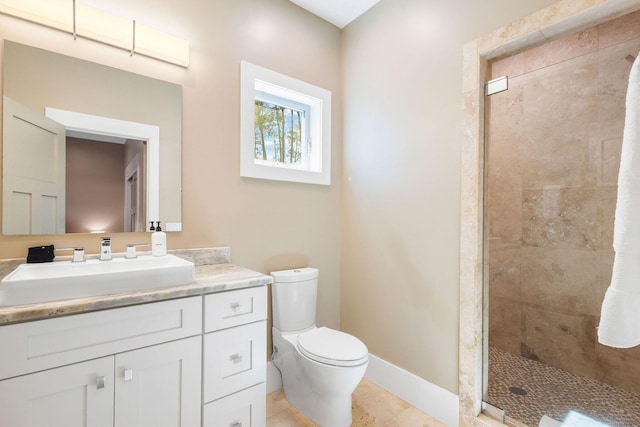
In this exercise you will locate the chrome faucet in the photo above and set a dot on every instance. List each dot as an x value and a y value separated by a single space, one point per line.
105 249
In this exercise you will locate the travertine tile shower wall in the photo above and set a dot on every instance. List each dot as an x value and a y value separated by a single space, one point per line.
554 142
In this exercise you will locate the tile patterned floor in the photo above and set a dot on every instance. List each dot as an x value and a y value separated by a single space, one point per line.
554 392
372 407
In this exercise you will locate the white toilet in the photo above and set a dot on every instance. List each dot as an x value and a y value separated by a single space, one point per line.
320 367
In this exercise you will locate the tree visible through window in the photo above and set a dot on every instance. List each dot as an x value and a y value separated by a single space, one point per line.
279 132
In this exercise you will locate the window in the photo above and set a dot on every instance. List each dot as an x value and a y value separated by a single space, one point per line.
281 129
285 128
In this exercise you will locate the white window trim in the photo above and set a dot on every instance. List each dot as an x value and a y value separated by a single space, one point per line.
255 78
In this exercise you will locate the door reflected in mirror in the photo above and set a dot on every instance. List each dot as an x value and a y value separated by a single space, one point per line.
86 148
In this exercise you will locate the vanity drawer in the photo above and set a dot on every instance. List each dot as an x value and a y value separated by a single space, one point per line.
227 309
45 344
247 408
234 359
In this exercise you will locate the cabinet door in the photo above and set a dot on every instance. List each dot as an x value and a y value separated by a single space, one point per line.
79 395
159 386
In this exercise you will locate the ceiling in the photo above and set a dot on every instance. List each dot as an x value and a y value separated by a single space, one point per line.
338 12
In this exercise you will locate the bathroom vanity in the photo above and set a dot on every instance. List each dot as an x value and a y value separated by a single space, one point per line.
192 355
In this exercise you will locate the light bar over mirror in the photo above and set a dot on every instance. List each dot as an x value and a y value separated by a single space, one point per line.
85 21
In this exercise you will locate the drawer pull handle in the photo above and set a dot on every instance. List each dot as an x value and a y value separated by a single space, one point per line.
235 306
236 424
100 381
128 375
236 358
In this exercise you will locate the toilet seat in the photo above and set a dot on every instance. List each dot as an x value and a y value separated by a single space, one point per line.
332 347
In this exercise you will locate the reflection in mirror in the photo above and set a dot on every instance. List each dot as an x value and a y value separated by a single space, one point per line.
95 196
87 148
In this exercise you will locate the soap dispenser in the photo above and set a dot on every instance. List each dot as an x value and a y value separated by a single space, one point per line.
158 241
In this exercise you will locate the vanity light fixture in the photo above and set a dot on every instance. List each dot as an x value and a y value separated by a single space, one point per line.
157 44
103 27
85 21
56 14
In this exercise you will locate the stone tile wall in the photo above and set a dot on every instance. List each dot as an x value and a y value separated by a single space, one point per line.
554 142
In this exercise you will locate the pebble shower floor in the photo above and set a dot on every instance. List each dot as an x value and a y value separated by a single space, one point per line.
527 390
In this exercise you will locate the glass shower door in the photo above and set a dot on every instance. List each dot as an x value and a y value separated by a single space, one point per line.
552 158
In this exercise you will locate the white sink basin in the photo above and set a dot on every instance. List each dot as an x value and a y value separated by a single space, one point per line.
37 283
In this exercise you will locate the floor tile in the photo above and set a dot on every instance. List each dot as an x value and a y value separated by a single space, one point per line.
372 406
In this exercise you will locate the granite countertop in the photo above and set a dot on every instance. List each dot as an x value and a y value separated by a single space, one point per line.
210 278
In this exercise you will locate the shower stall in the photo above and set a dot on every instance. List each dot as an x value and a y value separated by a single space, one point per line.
552 154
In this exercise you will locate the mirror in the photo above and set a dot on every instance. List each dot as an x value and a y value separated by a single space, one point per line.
108 140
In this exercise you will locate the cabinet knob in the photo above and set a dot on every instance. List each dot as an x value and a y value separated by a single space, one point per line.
100 382
128 374
236 424
236 358
235 306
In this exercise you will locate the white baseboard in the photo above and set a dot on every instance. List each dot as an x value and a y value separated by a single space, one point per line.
274 380
431 399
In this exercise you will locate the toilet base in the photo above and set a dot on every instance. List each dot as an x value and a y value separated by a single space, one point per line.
322 392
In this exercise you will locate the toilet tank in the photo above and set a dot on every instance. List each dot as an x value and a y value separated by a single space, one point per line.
294 297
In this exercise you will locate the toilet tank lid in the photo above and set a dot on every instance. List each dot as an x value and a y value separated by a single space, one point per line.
295 275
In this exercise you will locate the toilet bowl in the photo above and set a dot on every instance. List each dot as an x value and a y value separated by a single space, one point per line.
320 367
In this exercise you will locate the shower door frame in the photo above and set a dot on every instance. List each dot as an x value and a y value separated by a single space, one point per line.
553 22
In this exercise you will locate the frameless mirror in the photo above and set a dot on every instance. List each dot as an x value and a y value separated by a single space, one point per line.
86 147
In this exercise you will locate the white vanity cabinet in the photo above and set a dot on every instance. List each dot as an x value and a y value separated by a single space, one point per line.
187 362
137 366
234 358
151 387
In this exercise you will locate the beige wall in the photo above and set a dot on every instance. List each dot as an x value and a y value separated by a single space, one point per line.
554 143
269 225
402 66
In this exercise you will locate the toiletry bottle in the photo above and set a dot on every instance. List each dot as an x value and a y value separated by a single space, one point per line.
158 242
